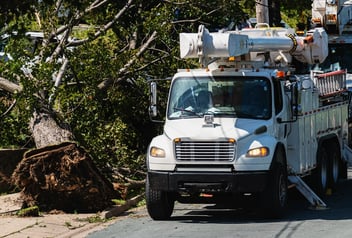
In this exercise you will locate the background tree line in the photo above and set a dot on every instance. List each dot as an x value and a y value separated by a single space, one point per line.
89 73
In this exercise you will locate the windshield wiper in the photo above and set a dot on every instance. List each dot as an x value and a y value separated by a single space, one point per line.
189 111
245 114
225 113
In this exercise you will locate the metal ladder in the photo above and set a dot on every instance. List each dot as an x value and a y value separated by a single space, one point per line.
307 192
331 83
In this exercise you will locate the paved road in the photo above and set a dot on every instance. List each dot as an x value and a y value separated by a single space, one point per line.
208 221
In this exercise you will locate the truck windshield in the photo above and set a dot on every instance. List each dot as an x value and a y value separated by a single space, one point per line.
242 97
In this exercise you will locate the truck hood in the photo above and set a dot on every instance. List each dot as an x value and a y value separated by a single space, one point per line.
197 129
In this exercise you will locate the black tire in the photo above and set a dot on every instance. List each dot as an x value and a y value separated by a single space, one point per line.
160 204
334 165
321 173
344 170
274 198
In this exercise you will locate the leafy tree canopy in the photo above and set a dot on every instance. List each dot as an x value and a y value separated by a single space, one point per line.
92 65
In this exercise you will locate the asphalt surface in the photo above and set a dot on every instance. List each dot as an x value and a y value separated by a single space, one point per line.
210 221
188 220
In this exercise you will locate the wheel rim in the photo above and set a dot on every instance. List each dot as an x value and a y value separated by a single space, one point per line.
324 171
335 168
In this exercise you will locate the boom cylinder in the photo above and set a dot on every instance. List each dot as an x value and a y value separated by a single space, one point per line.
270 44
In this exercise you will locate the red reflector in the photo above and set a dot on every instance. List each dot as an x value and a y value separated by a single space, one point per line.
206 195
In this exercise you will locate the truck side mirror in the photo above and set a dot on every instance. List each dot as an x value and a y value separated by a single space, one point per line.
153 110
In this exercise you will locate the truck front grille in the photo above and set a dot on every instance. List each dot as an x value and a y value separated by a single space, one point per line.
205 150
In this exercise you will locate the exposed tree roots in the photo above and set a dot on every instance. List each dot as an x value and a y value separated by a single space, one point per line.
63 177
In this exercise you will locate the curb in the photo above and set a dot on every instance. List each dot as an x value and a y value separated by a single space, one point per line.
119 209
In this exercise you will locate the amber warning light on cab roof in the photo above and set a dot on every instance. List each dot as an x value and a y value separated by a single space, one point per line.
280 74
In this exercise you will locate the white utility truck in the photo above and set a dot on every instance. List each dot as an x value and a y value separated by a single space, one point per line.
245 125
336 17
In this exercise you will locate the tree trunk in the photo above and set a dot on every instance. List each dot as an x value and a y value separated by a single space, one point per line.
262 11
46 130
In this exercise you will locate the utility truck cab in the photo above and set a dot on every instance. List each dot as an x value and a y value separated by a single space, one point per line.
244 124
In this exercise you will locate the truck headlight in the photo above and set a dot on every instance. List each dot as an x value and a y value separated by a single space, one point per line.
157 152
258 152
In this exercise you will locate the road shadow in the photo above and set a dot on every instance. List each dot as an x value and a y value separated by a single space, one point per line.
338 208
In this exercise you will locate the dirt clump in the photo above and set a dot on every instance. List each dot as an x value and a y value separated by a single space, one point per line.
9 158
62 177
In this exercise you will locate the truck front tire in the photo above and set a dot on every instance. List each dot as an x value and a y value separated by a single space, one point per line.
274 198
160 204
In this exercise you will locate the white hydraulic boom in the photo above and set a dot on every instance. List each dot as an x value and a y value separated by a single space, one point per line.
311 49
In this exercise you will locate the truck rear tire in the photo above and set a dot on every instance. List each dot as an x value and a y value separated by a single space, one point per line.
160 204
274 198
344 170
335 160
321 173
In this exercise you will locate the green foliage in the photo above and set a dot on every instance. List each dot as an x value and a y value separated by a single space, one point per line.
295 12
14 112
113 123
14 128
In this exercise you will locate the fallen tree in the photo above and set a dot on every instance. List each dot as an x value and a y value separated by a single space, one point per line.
59 174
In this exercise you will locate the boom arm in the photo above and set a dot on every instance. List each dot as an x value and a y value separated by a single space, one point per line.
311 49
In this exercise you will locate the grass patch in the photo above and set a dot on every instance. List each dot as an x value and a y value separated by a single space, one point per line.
141 203
29 212
93 219
118 201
